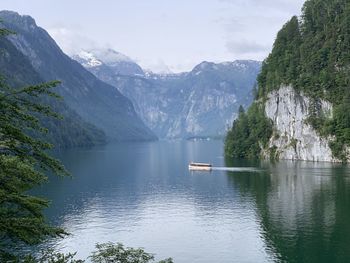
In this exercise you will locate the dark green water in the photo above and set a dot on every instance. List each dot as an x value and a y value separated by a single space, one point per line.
143 195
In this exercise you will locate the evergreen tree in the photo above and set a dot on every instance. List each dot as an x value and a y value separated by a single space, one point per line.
312 55
23 164
250 131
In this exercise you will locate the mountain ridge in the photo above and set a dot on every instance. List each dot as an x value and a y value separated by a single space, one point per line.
119 62
198 103
95 101
71 131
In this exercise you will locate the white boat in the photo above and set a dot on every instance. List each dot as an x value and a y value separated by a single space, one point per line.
199 166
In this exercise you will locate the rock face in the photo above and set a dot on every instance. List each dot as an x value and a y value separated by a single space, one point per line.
72 130
200 103
94 100
294 138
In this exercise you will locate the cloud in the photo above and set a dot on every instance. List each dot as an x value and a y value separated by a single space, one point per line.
244 47
155 65
277 5
250 26
232 25
71 42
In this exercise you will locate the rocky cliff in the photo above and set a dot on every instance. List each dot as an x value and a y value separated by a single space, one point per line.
312 120
293 137
72 130
93 100
200 103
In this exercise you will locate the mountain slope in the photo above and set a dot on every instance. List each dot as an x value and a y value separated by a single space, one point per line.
95 101
200 103
72 130
108 59
304 86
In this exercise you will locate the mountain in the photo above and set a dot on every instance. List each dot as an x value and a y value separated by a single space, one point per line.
303 101
200 103
71 131
95 101
108 59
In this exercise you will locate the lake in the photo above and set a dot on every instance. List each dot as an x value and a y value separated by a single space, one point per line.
143 195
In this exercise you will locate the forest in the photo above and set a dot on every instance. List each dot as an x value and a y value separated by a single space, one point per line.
311 54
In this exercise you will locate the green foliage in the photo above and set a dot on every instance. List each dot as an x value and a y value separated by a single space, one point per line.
282 65
339 126
109 252
5 31
313 56
72 130
23 163
294 143
273 153
50 256
249 133
105 253
95 101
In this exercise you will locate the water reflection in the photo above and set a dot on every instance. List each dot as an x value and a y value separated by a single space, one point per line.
142 194
303 208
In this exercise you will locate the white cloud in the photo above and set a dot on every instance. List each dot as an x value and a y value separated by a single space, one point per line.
155 65
242 47
71 42
271 5
165 34
250 26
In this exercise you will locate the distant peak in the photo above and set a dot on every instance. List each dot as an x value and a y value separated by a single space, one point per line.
23 21
204 66
9 13
87 59
115 61
109 56
241 65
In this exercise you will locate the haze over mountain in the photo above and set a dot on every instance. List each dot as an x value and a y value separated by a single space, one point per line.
179 34
95 101
199 103
71 130
108 59
129 103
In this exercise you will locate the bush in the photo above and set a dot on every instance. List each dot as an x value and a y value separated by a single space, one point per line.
105 253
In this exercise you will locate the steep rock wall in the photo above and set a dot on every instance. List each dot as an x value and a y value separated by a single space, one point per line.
294 138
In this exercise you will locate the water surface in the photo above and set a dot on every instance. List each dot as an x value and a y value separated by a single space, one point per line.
142 194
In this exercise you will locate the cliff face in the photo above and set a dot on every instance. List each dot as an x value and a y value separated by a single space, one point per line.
310 54
199 103
293 137
93 100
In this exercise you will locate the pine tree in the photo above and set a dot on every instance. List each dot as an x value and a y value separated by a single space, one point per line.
311 54
24 163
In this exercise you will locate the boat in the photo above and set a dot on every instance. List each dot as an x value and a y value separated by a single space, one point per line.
199 166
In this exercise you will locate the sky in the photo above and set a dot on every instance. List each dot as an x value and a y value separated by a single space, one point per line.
163 35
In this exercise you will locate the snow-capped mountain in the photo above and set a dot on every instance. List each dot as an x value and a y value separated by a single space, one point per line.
95 101
199 103
87 59
108 58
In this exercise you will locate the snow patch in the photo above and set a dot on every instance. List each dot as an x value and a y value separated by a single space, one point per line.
88 59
